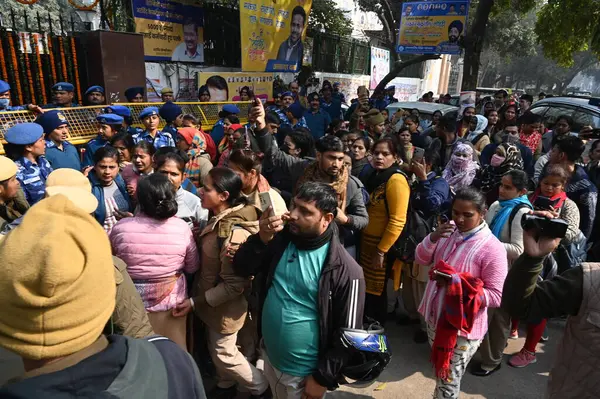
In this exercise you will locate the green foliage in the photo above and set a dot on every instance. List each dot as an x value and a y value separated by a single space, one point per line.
565 27
325 15
54 7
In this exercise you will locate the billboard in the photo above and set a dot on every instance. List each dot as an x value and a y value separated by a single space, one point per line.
433 27
272 34
380 65
226 86
172 29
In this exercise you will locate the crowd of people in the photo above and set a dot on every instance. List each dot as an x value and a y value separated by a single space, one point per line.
151 258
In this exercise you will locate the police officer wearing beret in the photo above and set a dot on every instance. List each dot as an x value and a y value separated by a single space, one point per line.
5 101
59 152
173 115
62 96
150 119
135 94
125 113
26 146
94 96
108 126
218 130
166 94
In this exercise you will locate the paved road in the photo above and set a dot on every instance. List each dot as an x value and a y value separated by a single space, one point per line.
409 375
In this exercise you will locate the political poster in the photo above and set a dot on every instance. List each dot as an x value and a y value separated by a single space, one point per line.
272 34
172 29
226 86
380 65
467 99
432 27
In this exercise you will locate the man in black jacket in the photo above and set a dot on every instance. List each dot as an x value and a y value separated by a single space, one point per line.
312 289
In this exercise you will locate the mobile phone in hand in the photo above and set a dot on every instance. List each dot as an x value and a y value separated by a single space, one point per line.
442 274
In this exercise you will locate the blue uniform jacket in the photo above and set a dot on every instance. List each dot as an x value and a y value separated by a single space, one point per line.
98 191
32 177
317 122
432 196
217 132
68 157
90 148
334 108
172 130
161 139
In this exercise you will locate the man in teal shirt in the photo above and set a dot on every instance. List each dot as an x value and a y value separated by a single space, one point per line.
314 288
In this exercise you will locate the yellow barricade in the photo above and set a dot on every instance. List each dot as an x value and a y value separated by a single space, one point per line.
83 125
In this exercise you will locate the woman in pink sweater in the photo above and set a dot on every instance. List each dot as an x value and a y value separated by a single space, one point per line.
467 244
158 249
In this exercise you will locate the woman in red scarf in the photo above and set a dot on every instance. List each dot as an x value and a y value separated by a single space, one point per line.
551 197
531 136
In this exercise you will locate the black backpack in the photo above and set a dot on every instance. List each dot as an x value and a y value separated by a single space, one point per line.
415 230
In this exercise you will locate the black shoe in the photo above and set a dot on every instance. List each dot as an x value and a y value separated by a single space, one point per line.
420 337
477 371
544 338
407 321
265 395
223 393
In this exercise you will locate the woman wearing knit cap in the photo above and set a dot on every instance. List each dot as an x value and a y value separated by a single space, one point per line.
59 259
152 134
295 114
218 131
59 152
26 146
12 200
158 248
173 115
108 127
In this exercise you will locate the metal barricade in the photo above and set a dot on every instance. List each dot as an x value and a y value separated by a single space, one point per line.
83 126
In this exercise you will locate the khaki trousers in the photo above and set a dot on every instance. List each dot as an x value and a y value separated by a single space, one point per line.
232 367
248 338
174 328
494 342
413 291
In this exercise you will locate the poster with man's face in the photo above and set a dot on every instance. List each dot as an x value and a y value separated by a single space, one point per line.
272 34
172 30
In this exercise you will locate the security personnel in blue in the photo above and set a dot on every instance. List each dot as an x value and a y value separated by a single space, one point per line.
108 126
150 119
316 118
125 113
135 94
26 146
332 105
5 101
62 96
295 114
218 131
94 96
287 99
59 152
173 115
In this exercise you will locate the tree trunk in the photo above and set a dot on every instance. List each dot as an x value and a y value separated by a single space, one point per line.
399 66
473 44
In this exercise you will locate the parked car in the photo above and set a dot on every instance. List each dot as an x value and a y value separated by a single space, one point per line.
426 110
583 110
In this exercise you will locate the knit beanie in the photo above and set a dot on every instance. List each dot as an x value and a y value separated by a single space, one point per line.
374 118
296 110
57 281
170 111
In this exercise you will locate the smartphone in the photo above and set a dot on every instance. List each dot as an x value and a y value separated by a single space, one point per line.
418 154
442 274
545 203
265 201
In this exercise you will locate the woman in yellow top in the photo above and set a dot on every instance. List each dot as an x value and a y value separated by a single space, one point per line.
389 194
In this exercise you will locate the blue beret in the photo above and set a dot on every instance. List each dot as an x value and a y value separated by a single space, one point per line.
63 86
50 120
148 111
24 133
92 89
232 109
170 111
4 86
109 119
133 91
296 109
287 94
120 110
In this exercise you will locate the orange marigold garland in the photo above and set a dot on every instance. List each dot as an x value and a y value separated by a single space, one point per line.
15 63
28 70
3 62
76 68
51 54
63 61
40 69
27 2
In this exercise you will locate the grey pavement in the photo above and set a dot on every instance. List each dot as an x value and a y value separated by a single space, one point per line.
409 374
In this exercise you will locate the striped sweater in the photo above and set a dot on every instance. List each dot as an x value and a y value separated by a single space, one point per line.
482 255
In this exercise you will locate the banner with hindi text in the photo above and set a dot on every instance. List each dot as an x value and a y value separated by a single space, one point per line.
226 86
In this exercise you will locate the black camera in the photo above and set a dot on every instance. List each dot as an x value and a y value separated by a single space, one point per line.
545 227
544 203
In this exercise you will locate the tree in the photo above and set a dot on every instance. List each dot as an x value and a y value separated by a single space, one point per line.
325 15
388 12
